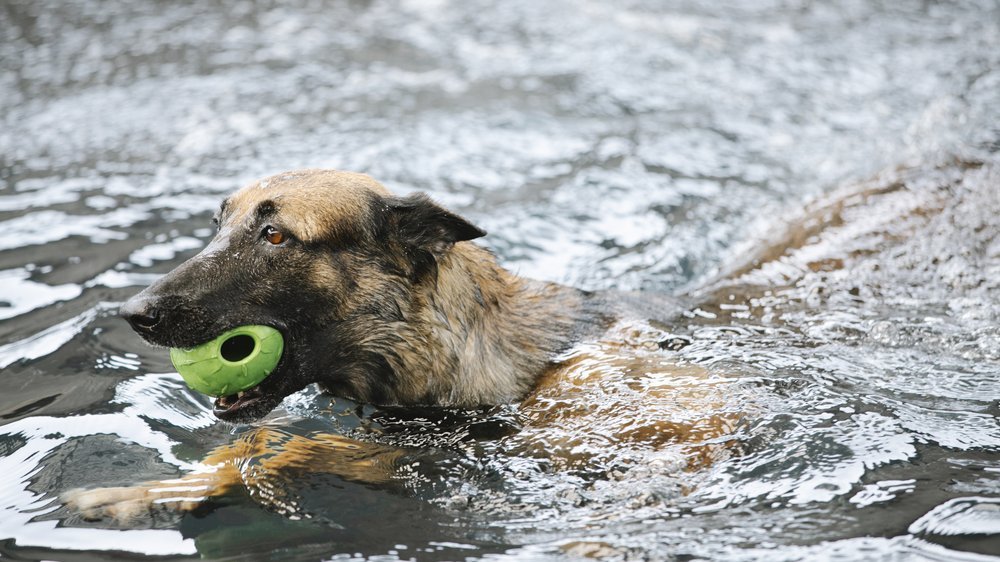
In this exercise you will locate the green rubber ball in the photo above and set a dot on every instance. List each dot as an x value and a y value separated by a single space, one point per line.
235 361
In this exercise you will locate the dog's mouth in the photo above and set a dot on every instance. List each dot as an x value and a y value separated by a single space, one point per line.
255 402
251 404
230 406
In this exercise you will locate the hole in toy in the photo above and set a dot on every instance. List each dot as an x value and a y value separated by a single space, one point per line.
238 348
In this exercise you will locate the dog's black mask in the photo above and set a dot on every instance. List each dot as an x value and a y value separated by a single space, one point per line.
328 259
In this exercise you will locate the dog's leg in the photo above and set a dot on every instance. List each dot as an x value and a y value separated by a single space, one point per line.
125 504
256 460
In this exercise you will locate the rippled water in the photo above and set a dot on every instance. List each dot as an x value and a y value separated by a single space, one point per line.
841 380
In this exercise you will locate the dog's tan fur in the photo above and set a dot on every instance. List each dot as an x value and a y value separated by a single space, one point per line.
313 202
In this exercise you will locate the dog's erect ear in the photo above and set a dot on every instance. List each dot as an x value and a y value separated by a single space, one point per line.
423 223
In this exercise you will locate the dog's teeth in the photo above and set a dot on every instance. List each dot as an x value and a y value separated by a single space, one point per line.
239 395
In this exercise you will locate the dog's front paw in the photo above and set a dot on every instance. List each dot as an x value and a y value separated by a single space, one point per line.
120 504
128 504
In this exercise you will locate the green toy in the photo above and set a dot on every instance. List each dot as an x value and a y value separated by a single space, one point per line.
235 361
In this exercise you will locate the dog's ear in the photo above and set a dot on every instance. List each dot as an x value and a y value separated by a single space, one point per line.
422 223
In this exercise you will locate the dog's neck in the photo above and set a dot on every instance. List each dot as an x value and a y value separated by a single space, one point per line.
477 334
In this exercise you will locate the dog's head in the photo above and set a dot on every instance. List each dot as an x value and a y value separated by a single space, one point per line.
330 259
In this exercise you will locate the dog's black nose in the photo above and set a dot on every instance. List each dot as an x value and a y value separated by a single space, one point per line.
141 312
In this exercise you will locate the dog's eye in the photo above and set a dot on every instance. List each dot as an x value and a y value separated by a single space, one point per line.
273 235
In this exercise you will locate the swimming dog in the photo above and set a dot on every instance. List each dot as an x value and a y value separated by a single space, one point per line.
386 300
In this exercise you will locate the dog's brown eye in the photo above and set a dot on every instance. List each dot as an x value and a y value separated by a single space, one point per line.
273 235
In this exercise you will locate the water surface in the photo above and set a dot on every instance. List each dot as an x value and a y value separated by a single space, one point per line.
642 146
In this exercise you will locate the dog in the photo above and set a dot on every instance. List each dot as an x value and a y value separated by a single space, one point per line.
387 300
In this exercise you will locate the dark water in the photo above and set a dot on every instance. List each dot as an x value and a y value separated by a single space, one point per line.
636 146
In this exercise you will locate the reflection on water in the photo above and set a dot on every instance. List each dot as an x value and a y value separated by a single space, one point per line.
831 391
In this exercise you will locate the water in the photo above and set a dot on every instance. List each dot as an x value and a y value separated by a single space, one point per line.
844 392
